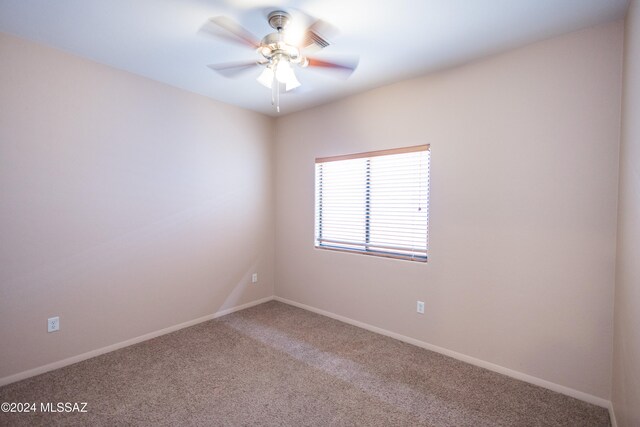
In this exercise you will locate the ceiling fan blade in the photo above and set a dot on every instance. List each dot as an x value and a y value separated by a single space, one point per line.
233 69
317 36
226 28
344 66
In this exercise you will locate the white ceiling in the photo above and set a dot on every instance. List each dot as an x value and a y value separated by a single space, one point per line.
395 40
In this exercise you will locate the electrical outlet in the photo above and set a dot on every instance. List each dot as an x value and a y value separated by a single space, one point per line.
53 324
254 278
420 307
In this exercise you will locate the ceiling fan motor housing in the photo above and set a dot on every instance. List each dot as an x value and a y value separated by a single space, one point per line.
274 45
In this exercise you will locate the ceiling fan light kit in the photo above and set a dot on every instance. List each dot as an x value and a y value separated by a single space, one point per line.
279 56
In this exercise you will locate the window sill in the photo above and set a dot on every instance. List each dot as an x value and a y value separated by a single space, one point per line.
375 254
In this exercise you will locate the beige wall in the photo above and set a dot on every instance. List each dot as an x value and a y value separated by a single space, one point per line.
126 206
626 359
523 208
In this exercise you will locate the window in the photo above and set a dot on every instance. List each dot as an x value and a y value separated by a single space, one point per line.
374 203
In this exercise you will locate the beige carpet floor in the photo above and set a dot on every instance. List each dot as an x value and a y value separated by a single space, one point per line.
277 365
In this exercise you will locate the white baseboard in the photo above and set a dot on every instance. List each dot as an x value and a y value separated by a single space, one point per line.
93 353
463 357
468 359
612 415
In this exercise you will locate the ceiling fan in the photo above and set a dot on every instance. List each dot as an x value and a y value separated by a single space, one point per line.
279 52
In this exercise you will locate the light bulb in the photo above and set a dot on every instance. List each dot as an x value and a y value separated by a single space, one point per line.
285 74
266 78
283 71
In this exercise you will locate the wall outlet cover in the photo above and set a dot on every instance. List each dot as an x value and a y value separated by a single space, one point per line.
53 324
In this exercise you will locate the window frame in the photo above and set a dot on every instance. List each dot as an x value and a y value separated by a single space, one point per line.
370 154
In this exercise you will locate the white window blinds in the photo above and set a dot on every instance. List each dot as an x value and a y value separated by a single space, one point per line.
375 203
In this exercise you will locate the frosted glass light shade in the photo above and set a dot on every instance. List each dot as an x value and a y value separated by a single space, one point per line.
285 74
266 77
292 83
283 71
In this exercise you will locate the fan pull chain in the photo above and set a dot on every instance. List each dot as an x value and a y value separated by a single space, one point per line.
273 90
